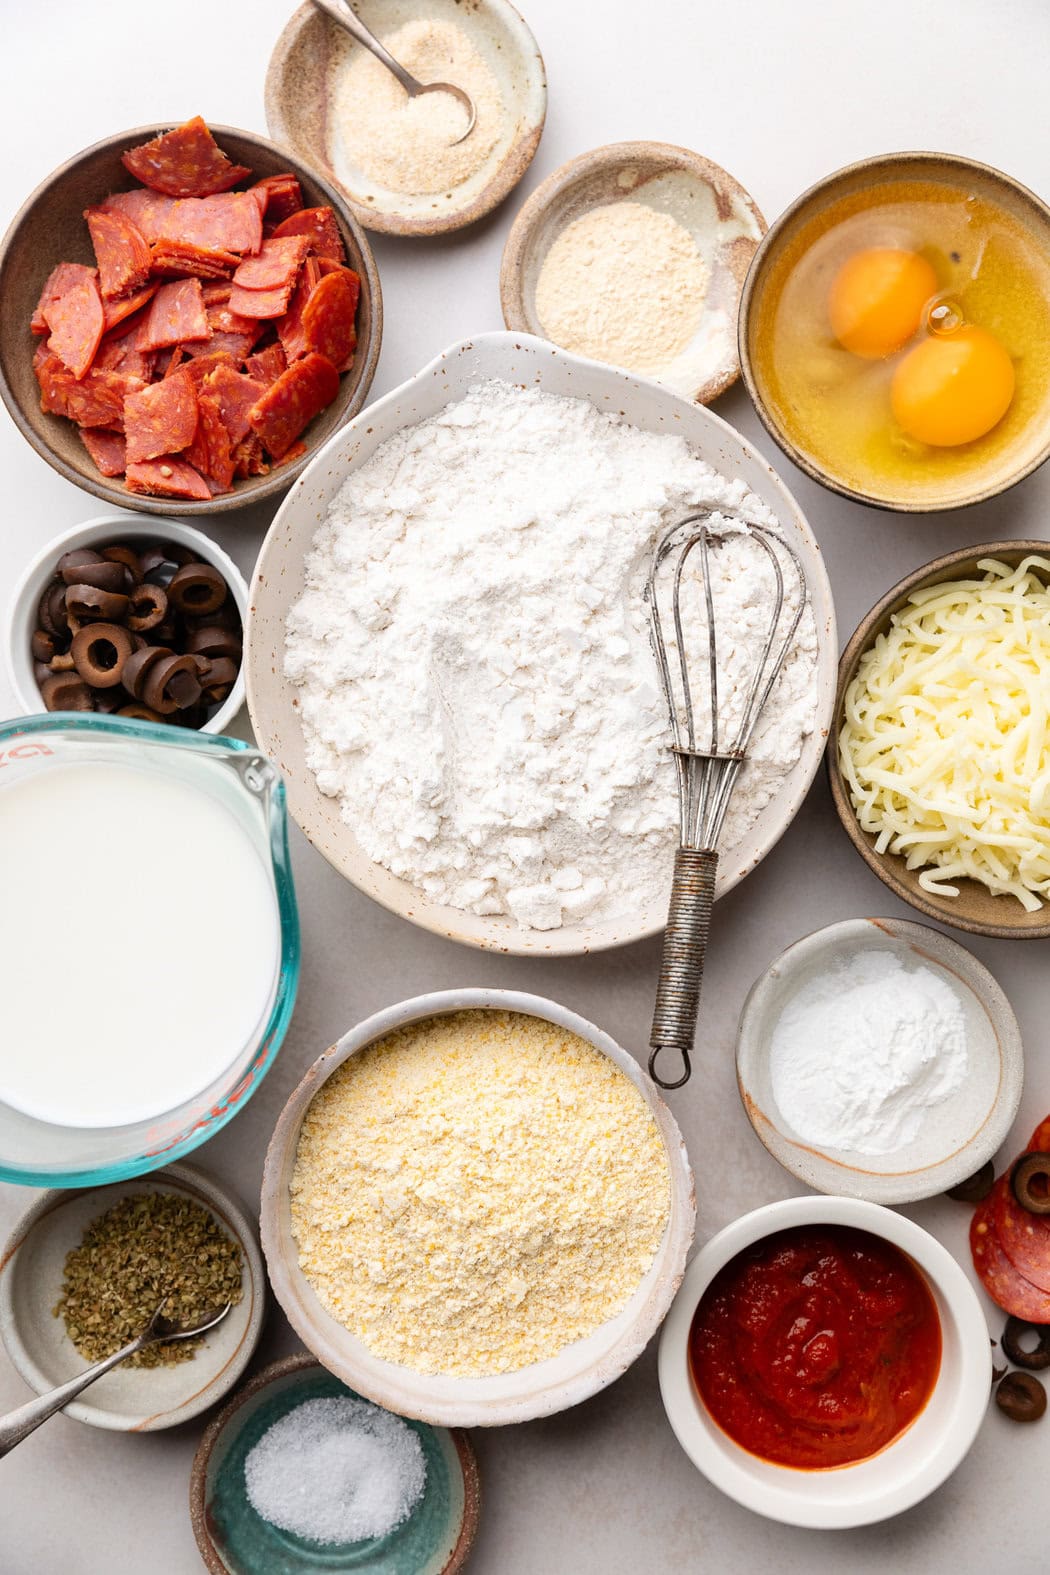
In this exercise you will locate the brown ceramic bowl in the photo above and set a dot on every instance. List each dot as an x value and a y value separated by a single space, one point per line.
49 228
1030 448
975 909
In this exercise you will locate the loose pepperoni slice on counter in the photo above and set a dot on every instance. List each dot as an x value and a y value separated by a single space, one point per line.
147 210
291 403
116 312
280 196
186 162
321 225
176 314
1005 1283
276 266
183 257
121 252
77 323
328 320
167 478
210 450
266 365
59 280
162 419
236 395
230 223
1024 1237
107 450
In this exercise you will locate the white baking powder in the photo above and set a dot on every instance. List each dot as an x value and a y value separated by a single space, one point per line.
475 679
864 1050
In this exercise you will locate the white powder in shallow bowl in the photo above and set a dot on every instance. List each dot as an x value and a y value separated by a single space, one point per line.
862 1051
336 1470
471 651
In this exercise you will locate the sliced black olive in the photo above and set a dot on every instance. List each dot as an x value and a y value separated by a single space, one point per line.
94 606
1030 1180
214 641
42 646
72 560
147 607
65 692
1036 1358
976 1187
103 576
41 672
1021 1397
198 588
120 552
52 610
141 713
170 684
100 651
138 665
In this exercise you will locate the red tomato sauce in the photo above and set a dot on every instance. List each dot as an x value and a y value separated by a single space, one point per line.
816 1347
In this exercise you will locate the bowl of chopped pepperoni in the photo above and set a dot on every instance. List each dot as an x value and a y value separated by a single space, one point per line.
189 314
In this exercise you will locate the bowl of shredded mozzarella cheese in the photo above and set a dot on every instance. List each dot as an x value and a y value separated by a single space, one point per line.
940 761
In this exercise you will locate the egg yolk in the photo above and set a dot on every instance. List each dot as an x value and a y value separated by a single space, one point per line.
954 388
877 300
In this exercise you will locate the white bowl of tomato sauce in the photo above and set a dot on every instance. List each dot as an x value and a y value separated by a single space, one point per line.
826 1362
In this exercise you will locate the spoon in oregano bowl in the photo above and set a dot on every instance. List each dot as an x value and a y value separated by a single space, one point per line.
18 1424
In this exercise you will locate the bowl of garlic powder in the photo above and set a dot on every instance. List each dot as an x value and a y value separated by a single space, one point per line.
396 160
476 1208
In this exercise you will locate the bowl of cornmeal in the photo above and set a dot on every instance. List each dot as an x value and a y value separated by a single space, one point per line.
476 1209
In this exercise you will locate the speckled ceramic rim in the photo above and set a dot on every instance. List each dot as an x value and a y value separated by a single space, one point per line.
110 528
814 1165
612 155
255 489
954 911
883 167
400 1389
218 1200
517 160
468 1462
853 1496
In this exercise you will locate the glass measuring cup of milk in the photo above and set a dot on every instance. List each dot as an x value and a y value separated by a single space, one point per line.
149 942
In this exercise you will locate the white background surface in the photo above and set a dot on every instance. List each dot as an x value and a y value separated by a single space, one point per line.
779 94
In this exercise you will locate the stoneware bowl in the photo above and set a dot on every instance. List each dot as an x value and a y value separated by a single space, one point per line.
233 1538
104 529
49 228
1031 447
298 108
907 1469
564 1380
958 1135
975 909
128 1399
273 701
719 214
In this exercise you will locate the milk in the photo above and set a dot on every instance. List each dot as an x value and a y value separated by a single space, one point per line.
139 943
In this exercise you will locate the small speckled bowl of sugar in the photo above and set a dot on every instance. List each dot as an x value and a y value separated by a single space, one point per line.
879 1059
635 254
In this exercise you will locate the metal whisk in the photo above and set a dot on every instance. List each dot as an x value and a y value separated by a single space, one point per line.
706 776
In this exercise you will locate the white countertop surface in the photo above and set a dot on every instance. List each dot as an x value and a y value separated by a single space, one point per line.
779 94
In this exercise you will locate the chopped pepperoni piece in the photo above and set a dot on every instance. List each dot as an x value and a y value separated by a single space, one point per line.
1023 1236
321 225
222 319
1005 1284
290 404
250 458
77 322
167 478
119 352
233 346
186 162
262 303
210 450
182 257
216 292
175 360
328 320
290 328
290 455
230 223
176 314
58 282
162 419
266 365
147 210
96 400
121 252
236 395
276 266
106 450
118 311
280 195
200 366
327 266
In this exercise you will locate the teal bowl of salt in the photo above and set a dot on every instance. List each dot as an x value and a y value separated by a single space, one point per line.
275 1445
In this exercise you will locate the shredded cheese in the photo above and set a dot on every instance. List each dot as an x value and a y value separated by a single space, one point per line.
944 744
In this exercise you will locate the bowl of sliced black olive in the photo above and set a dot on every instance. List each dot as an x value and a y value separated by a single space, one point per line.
135 616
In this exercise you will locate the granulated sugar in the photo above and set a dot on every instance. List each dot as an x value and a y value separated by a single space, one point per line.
336 1470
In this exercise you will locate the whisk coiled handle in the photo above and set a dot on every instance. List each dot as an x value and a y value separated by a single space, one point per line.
682 962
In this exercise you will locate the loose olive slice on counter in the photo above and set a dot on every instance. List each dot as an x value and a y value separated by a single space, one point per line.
147 607
52 611
100 651
213 640
92 605
103 576
65 692
976 1187
170 684
138 665
1021 1397
1030 1180
42 645
1036 1358
141 713
198 588
120 552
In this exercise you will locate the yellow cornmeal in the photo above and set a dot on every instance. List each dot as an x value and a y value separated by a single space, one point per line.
408 144
477 1191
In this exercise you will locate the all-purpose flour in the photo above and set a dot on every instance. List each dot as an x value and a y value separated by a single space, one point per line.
476 682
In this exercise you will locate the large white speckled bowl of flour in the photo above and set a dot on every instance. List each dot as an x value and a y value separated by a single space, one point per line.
279 581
